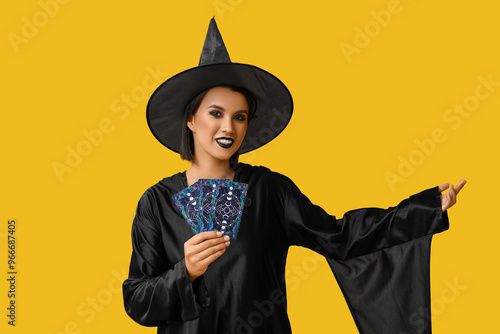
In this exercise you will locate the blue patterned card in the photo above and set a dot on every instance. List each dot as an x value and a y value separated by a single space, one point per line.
188 202
228 207
209 190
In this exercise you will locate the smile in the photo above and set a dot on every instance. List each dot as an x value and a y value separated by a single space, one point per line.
225 142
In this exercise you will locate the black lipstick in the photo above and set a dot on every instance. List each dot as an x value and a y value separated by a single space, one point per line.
225 142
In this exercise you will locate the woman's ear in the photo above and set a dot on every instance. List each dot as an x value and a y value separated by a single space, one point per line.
190 123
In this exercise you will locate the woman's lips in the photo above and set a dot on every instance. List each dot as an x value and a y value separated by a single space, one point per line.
225 142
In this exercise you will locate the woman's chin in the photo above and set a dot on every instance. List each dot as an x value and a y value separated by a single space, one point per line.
224 153
217 153
223 157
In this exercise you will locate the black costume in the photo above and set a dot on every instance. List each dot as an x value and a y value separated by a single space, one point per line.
379 257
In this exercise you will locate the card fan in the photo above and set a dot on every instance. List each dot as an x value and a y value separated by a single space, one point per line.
213 205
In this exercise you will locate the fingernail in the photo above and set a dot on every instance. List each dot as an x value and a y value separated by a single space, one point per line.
226 237
227 243
219 233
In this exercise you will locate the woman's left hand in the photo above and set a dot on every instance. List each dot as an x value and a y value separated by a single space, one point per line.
450 198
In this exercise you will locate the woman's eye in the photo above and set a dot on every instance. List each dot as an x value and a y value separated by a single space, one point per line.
215 113
240 117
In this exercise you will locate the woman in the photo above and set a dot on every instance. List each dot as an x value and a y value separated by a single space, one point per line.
207 283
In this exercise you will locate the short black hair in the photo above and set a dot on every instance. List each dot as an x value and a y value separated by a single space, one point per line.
187 142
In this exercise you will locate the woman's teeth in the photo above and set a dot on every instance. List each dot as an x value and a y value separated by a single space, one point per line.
224 142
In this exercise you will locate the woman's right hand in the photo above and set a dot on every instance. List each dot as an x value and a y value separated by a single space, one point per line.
203 249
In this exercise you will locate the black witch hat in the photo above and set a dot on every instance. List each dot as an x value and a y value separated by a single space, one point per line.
273 102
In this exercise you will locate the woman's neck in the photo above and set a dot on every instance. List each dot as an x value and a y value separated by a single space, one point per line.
214 170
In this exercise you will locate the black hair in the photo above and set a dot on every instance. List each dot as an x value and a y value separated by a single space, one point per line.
187 142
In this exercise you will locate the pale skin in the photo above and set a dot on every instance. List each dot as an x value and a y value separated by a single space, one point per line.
224 113
450 198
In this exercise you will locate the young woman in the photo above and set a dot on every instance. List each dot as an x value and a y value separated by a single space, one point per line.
206 283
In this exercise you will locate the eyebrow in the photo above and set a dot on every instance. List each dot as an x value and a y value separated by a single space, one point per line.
219 107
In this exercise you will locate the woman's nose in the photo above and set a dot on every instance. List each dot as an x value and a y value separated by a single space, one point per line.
227 125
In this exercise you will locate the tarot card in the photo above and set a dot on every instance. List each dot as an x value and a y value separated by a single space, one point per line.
228 207
188 202
208 192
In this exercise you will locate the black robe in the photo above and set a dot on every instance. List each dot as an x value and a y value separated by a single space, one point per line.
380 258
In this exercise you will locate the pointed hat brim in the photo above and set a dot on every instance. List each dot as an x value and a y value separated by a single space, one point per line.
273 101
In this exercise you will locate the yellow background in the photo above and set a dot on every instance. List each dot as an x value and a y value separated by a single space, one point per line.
355 118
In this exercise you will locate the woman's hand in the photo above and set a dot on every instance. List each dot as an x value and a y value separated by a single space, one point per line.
450 198
203 249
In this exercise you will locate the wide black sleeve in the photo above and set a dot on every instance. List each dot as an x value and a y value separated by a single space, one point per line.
157 292
380 257
361 231
388 291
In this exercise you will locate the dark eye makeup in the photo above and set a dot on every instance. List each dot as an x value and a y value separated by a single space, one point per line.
238 117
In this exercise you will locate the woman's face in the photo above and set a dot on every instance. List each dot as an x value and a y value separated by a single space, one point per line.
219 125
